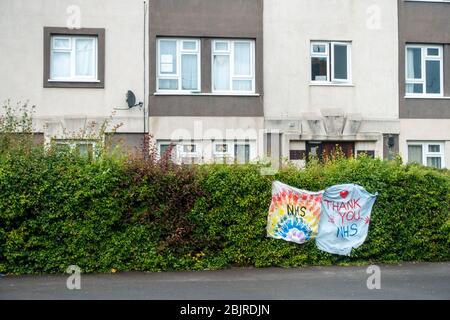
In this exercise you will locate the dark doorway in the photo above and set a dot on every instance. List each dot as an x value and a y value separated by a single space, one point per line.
314 149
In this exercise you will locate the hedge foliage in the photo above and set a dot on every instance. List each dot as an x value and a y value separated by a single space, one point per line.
59 209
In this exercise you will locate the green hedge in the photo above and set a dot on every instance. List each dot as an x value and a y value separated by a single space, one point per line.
59 209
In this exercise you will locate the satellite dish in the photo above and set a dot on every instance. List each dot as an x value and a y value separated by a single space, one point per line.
131 99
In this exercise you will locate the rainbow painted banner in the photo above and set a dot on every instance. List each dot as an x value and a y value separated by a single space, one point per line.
294 214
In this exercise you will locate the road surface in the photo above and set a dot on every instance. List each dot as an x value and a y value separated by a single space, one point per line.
399 281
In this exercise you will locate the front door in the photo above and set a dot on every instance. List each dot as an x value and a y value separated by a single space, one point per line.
347 148
324 149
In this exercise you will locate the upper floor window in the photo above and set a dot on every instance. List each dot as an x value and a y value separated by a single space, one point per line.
424 70
73 58
330 62
178 65
233 66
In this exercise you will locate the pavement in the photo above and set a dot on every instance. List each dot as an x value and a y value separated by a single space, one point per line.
397 281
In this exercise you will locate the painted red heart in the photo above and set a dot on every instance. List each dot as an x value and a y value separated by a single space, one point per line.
344 194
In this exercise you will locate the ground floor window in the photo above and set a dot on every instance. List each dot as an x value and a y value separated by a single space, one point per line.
185 152
85 148
242 153
369 153
163 148
223 151
189 152
217 151
429 154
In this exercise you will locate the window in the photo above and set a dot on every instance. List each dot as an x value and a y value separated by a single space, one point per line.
297 154
189 148
189 153
424 70
178 65
181 152
368 153
223 151
430 154
85 148
233 66
241 153
330 62
221 148
74 58
163 148
232 151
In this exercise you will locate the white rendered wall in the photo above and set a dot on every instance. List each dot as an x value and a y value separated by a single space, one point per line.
21 58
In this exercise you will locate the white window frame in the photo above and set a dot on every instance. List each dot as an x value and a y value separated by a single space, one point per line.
205 150
325 54
178 75
196 156
229 152
230 53
72 143
349 61
243 143
182 154
168 143
426 153
329 54
425 57
72 47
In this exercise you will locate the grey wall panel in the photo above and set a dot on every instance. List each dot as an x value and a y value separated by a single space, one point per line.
206 19
427 23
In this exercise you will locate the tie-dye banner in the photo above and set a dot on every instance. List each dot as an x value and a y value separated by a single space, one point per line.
345 218
294 214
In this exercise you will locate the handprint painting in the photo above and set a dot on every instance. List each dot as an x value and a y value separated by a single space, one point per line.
293 214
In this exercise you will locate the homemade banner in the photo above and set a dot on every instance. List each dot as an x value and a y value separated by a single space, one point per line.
294 214
345 218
